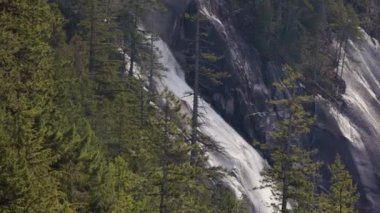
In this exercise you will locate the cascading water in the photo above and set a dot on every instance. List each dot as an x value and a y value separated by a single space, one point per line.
239 55
235 155
359 120
351 130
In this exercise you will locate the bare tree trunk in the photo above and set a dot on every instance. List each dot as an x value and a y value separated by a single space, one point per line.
285 188
92 37
133 49
340 200
165 162
142 118
342 56
285 179
286 166
120 130
194 124
131 64
150 78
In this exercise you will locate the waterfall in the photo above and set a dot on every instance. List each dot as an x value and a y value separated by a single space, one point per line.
246 66
356 123
242 162
359 121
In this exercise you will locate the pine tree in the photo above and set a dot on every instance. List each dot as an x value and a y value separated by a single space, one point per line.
194 122
115 192
225 201
179 181
343 26
26 91
342 196
291 177
76 136
203 60
134 10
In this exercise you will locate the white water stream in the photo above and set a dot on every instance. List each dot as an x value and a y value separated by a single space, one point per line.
237 156
360 121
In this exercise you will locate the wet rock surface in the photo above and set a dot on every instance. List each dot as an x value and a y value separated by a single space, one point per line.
352 130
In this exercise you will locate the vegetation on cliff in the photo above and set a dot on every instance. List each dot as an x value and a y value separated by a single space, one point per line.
81 132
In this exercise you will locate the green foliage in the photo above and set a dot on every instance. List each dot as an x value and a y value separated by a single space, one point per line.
343 20
115 189
303 34
26 109
342 195
293 175
226 201
297 121
132 34
264 27
79 136
211 74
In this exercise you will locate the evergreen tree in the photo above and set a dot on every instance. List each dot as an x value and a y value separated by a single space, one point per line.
342 196
27 180
130 16
115 192
291 177
76 135
343 25
194 122
226 201
180 185
203 69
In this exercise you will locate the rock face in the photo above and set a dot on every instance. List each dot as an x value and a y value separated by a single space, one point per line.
352 130
241 162
244 92
358 120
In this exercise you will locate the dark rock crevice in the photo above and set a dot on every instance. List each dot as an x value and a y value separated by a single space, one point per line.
243 95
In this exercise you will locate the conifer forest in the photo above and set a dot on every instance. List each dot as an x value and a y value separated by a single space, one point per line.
190 106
